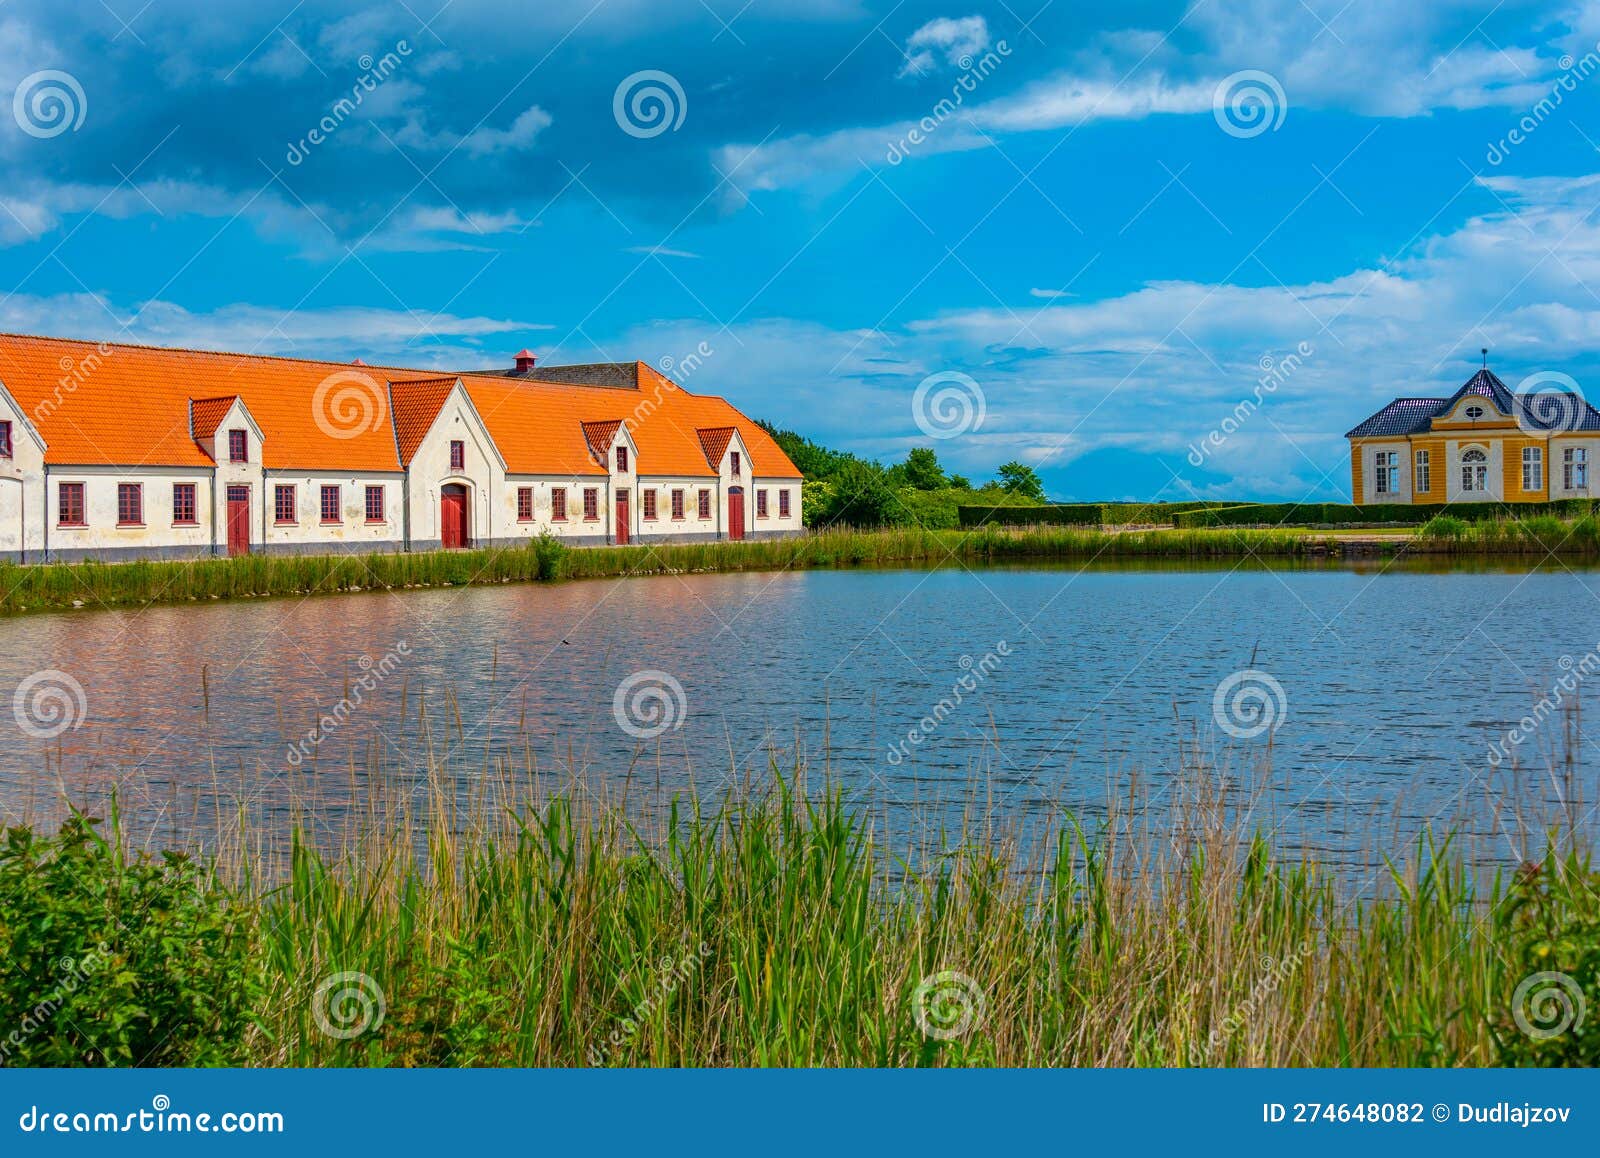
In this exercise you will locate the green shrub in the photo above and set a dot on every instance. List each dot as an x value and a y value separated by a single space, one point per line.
113 960
1445 527
550 556
1317 514
1051 514
1552 988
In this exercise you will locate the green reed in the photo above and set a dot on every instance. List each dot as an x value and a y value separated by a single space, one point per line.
784 928
140 583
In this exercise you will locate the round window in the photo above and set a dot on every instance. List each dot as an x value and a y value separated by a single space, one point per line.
1474 412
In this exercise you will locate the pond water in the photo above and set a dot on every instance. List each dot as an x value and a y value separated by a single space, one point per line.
1390 693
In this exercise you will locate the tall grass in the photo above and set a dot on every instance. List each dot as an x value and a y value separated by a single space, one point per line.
139 583
781 927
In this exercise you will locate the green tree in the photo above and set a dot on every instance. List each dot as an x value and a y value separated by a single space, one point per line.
1022 480
923 470
861 496
961 482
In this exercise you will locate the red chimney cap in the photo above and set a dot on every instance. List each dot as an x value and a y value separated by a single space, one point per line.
524 353
525 360
358 362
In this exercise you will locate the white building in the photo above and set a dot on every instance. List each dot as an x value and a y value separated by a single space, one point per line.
120 452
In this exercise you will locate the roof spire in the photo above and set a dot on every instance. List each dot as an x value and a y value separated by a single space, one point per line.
1486 357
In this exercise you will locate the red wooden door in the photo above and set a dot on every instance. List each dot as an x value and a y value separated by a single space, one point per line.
736 513
238 520
622 517
453 515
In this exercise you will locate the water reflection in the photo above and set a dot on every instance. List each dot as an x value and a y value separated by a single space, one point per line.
1396 682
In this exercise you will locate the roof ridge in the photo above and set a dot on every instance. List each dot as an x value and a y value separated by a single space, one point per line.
199 350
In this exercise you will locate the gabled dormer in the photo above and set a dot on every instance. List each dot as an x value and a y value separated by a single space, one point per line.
226 431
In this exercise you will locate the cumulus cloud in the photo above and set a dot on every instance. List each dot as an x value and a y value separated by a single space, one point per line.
953 39
1145 375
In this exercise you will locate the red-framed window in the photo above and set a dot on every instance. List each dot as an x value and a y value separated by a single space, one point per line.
677 504
622 460
130 504
283 504
733 463
70 512
591 503
375 504
558 505
761 503
524 504
238 448
649 500
783 504
703 507
458 454
5 439
331 505
183 510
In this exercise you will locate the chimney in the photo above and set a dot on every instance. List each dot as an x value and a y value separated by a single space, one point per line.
525 361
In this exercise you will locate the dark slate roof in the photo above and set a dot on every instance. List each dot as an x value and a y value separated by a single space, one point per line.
1413 415
619 374
1485 384
1402 416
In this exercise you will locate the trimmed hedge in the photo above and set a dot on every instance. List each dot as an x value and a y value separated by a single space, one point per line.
1287 514
1052 514
1084 514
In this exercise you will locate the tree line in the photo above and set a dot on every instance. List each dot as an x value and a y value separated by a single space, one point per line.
844 488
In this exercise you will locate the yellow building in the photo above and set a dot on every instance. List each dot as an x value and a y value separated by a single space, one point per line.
1484 443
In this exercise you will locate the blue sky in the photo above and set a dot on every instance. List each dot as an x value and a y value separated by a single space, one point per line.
1094 242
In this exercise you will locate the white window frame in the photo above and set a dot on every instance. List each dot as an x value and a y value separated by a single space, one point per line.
1385 464
1575 468
1474 471
1421 471
1533 468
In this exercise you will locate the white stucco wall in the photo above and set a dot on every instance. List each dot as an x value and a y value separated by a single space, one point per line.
1369 483
482 473
22 497
1554 464
1453 450
308 528
664 525
158 531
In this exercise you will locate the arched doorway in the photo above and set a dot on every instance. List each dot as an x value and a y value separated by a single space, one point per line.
453 525
735 512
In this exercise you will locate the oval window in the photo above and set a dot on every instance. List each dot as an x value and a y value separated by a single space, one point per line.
1474 412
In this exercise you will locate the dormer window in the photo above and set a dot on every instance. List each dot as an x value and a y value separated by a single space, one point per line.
458 454
1474 412
733 463
238 448
622 460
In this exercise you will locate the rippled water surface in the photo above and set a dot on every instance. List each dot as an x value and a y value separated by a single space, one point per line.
1044 688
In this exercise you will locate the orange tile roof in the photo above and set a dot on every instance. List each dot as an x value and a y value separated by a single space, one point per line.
125 405
415 404
600 436
206 414
715 444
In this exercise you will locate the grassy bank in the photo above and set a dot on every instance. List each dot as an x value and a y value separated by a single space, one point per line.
138 583
774 930
41 587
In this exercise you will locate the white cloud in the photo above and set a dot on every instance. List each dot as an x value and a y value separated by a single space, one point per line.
1381 60
1050 293
954 39
401 337
481 141
659 251
1152 371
